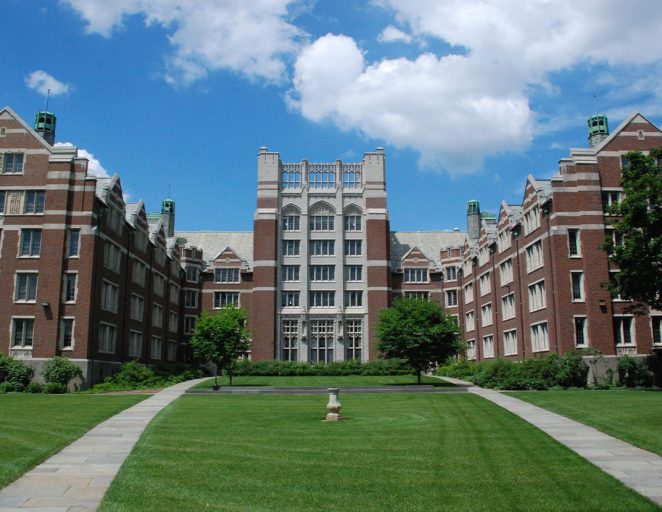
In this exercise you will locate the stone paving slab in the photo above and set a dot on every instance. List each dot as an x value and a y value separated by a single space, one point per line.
77 478
639 469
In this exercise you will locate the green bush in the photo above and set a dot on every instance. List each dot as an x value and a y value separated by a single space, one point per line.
35 387
293 368
60 370
654 362
14 373
55 388
3 388
459 369
134 375
573 371
633 372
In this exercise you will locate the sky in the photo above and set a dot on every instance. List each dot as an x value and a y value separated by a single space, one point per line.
467 97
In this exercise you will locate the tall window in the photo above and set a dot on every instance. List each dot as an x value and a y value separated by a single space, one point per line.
290 176
191 298
34 201
135 344
26 287
222 299
192 274
289 299
537 298
30 242
289 272
173 321
510 343
12 163
352 223
156 348
157 315
322 299
321 175
532 220
322 272
137 307
112 256
353 339
322 247
488 347
656 322
138 272
416 275
577 279
470 321
109 296
508 307
66 340
451 273
486 315
483 255
610 199
107 338
3 196
321 222
451 298
189 324
506 272
22 332
321 341
226 275
69 287
504 241
290 222
351 176
353 298
534 256
539 337
353 247
290 247
623 330
471 350
581 339
468 293
289 334
574 248
353 273
73 243
485 285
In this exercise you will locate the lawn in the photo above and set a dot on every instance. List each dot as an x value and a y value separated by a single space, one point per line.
34 427
633 416
323 380
395 452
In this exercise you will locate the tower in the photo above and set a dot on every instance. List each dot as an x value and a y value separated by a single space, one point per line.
598 129
168 216
473 219
44 125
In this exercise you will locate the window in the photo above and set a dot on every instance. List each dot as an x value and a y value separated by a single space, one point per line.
290 176
289 272
352 223
623 330
656 322
322 272
451 298
577 279
468 293
159 284
226 275
616 237
510 343
223 299
322 299
613 279
34 201
192 274
174 294
322 247
73 243
353 339
12 163
321 341
26 287
290 222
574 247
508 307
30 242
191 298
537 298
22 332
488 347
539 337
321 222
416 275
321 175
69 287
353 273
581 339
506 272
532 220
289 299
289 335
155 349
137 307
351 174
157 315
353 247
504 241
107 338
138 272
353 299
610 199
189 324
290 247
467 267
135 344
470 321
109 296
451 273
66 340
471 350
486 315
111 257
485 286
173 320
172 350
417 295
483 255
534 256
2 201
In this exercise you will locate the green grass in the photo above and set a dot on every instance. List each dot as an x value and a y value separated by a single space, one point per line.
34 427
323 380
633 416
395 452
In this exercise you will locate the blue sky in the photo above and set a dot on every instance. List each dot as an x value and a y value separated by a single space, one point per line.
467 97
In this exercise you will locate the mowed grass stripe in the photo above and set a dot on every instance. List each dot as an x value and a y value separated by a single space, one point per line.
323 380
34 427
395 452
633 416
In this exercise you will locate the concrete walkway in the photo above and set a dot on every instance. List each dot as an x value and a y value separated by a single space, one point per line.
77 478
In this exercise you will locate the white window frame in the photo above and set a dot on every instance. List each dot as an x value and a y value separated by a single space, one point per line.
416 275
220 304
133 335
470 321
156 348
633 341
486 315
60 341
582 292
488 343
105 329
510 343
351 272
584 329
574 234
452 297
485 284
537 295
112 308
508 306
27 287
24 338
539 337
506 272
534 256
64 287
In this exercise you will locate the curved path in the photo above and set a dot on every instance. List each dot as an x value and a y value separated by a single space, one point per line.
77 478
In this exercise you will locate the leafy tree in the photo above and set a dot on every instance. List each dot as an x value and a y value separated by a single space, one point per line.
221 339
639 227
60 370
418 331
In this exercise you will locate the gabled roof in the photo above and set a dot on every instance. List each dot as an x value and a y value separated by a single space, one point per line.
430 243
104 184
543 188
214 243
131 212
62 151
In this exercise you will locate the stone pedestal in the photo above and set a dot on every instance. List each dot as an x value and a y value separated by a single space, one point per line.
333 406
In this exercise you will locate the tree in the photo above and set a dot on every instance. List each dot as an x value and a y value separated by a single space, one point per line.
638 228
418 331
221 339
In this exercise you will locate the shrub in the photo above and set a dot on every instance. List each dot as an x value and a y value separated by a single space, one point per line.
459 370
633 373
60 370
35 387
3 388
55 388
654 362
293 368
573 371
14 373
134 375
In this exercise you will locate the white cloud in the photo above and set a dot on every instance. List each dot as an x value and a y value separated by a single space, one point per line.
392 34
42 82
250 38
94 167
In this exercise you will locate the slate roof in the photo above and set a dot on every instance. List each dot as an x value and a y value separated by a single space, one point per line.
213 243
430 243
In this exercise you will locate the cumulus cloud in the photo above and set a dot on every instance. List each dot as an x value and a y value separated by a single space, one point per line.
457 108
42 82
250 38
392 34
94 167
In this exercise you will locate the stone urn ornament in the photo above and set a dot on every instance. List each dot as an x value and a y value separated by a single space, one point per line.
334 405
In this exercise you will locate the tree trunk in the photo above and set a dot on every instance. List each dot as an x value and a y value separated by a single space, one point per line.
229 370
418 377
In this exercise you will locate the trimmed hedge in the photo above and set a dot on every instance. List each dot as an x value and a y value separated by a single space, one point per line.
293 368
134 375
